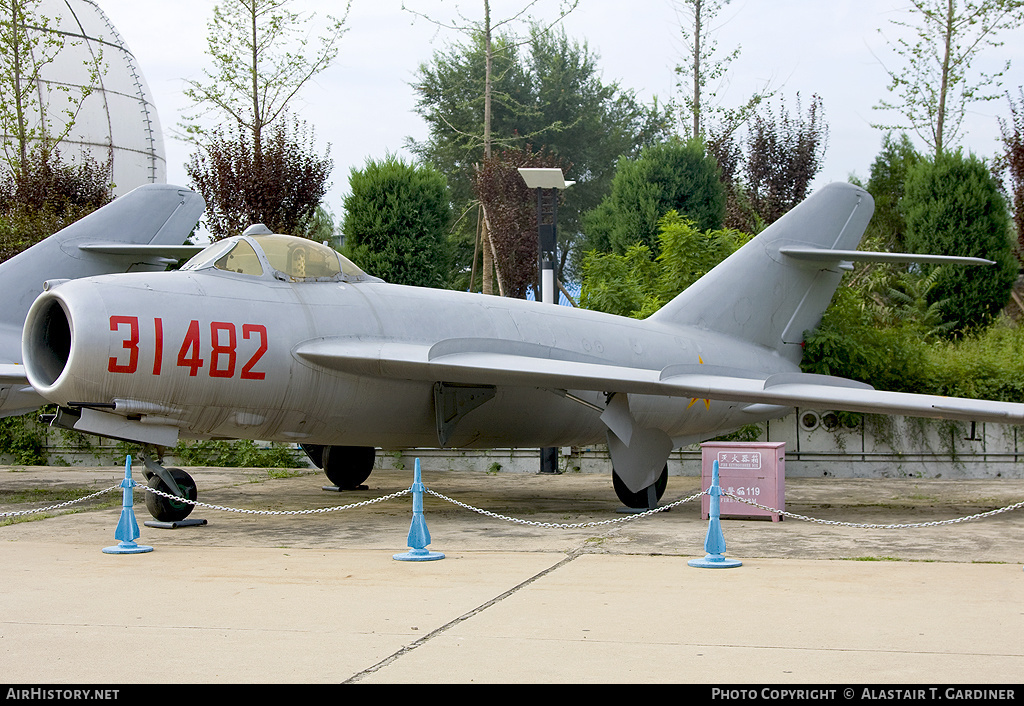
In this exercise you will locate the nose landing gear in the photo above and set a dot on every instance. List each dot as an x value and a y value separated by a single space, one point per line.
167 480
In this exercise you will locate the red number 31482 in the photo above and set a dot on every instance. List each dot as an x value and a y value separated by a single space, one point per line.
222 351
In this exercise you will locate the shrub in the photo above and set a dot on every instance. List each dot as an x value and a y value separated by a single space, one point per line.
672 176
396 222
953 206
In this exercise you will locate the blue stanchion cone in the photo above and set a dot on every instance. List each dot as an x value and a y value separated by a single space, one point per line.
714 542
419 535
127 527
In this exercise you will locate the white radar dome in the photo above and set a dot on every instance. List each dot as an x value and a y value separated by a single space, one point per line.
117 120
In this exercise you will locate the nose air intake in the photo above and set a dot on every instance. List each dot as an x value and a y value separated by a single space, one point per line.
46 346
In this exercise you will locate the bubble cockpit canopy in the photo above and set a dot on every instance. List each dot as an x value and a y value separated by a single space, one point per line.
283 257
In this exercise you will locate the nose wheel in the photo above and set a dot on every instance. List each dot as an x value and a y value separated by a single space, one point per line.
172 481
164 509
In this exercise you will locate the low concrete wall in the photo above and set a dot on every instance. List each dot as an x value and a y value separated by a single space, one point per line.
818 444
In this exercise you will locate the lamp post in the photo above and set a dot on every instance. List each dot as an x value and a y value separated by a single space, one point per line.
547 182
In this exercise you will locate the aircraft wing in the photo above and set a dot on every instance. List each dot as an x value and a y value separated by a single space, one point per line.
11 374
487 362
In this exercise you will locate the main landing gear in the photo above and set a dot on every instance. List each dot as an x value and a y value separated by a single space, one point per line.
345 466
167 480
645 499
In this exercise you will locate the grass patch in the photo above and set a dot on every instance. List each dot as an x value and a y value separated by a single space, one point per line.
53 496
286 472
44 495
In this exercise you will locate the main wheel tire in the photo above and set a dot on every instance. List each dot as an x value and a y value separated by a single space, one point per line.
348 466
639 499
166 509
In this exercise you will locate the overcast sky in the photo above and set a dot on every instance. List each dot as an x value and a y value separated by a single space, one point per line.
363 104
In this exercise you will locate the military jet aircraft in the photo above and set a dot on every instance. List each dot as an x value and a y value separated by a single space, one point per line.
141 231
271 337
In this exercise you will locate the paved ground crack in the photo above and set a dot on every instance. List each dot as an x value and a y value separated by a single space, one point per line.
359 676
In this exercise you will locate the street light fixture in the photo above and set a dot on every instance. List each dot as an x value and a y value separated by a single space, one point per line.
547 182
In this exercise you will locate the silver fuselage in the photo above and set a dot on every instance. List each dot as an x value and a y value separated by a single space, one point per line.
213 354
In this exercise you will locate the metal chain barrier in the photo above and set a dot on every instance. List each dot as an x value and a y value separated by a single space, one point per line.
315 511
57 507
935 523
546 525
576 525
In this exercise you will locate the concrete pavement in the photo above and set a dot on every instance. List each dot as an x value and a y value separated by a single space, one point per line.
319 599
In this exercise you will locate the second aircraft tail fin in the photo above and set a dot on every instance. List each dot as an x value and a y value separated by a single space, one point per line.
137 231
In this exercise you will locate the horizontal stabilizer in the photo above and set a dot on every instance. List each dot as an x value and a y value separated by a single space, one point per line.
813 254
175 252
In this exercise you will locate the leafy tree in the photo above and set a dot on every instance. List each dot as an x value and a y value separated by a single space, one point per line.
511 212
280 186
769 169
41 192
261 60
701 71
1011 163
396 222
886 186
546 90
29 43
584 121
784 155
47 194
457 98
485 33
620 284
953 206
671 176
631 284
688 253
479 100
937 82
887 229
727 150
258 164
450 93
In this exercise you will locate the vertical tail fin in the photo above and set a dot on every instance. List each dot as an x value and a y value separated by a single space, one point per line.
765 297
155 214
